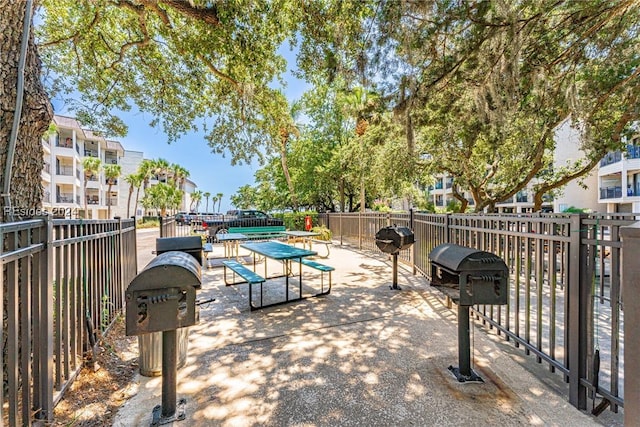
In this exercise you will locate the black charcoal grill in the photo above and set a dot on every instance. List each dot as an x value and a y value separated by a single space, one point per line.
468 276
162 298
391 240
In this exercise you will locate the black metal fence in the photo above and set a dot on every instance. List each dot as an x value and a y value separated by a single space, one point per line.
565 304
170 227
63 286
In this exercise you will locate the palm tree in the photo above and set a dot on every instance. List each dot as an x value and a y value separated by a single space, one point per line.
362 104
161 169
162 197
196 196
179 175
214 199
219 198
206 196
145 170
284 119
111 174
91 166
134 180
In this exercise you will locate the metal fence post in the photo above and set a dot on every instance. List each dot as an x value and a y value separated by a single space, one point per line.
578 300
360 230
414 247
630 283
447 236
43 322
162 233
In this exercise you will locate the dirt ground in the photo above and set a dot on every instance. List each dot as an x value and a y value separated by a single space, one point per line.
96 395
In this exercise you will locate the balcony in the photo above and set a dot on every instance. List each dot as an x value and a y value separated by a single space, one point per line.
64 170
633 192
439 202
93 200
633 151
67 143
611 193
65 198
611 158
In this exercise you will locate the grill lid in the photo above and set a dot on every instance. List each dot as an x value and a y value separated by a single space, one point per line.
169 269
457 258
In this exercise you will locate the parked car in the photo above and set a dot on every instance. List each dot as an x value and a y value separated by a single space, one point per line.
239 218
183 218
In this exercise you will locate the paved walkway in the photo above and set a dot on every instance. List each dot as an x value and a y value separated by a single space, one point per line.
365 355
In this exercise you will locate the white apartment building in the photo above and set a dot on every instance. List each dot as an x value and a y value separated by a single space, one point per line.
64 182
63 179
619 179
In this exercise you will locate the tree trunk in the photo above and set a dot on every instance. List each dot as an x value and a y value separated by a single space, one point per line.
537 201
129 201
287 176
135 206
109 201
342 196
86 202
36 114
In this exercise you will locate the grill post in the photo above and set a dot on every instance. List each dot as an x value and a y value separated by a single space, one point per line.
395 273
467 277
464 373
464 342
169 368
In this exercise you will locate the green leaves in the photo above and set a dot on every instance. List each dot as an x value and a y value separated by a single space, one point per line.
178 61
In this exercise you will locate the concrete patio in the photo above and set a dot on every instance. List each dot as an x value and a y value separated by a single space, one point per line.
365 355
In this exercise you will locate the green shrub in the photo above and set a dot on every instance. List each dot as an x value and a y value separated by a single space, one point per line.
325 233
148 223
573 209
295 220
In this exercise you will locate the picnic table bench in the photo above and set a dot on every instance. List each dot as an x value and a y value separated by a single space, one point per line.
261 233
322 268
249 276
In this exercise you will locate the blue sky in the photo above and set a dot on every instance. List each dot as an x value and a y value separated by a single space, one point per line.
211 172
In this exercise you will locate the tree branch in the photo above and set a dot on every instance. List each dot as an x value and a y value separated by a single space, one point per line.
208 15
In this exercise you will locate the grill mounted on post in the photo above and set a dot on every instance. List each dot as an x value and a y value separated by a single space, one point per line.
162 298
468 277
391 240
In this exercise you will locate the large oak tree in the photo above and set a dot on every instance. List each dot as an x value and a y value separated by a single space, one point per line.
35 114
